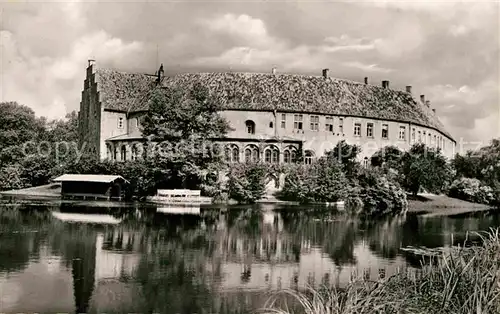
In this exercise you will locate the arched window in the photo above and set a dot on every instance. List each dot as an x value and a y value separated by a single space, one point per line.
287 158
124 153
250 125
251 153
365 162
135 152
308 157
232 153
115 153
272 154
109 151
289 155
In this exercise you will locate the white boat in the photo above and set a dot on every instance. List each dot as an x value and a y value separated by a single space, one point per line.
179 210
86 218
178 196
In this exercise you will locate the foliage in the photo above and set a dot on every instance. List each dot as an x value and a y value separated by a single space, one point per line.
467 166
461 281
247 182
183 125
472 190
424 167
11 178
383 198
323 181
346 155
388 156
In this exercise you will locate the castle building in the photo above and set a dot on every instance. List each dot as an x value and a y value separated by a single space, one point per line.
272 115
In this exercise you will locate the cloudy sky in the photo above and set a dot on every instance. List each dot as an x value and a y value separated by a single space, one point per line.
447 50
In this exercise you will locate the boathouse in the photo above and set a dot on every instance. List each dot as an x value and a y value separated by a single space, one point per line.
92 186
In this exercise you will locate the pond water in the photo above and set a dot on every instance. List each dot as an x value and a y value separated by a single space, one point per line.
62 258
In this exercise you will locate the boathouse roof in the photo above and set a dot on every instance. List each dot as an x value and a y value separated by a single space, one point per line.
100 178
130 92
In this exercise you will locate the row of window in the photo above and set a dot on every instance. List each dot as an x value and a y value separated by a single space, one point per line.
428 139
232 154
314 126
384 132
271 154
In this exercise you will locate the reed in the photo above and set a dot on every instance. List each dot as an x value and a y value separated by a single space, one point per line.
462 280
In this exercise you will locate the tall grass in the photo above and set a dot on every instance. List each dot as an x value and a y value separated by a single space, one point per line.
462 280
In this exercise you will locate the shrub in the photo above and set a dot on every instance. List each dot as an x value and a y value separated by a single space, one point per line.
246 182
472 190
323 181
11 178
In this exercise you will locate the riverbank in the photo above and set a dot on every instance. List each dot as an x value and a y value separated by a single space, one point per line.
435 205
52 191
462 281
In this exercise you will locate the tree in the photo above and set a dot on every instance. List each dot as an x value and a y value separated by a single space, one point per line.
423 167
18 125
247 182
346 155
182 125
388 156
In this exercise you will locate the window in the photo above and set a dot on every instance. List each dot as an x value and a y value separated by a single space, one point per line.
308 157
271 124
250 125
115 153
232 153
329 124
124 153
413 134
283 120
429 143
435 141
419 136
286 157
385 131
314 123
136 122
108 151
297 121
251 153
369 129
289 155
135 152
365 162
341 126
424 138
271 155
402 133
120 122
357 129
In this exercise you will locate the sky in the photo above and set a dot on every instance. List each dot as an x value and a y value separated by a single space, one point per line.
447 50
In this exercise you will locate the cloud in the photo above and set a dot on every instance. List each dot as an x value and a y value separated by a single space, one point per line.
447 50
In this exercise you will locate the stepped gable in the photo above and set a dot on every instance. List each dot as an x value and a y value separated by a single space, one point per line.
282 92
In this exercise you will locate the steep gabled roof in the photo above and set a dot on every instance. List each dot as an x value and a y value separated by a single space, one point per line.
120 90
281 92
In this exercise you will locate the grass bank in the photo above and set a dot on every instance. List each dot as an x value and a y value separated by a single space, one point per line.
460 281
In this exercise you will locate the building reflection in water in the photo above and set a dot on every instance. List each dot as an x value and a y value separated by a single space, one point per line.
214 260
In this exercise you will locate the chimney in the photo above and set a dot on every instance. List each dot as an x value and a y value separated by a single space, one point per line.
422 99
274 70
408 89
428 103
366 81
160 74
91 62
385 84
325 73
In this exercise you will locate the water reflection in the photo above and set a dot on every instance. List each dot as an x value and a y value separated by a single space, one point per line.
201 260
